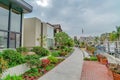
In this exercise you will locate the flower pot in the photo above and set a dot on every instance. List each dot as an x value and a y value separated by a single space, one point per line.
116 76
103 61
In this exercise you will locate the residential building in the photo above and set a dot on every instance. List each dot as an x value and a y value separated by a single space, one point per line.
11 19
75 38
57 28
89 40
38 33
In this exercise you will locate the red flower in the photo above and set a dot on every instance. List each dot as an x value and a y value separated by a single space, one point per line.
45 62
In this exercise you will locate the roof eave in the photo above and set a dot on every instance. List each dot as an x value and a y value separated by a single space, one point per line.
21 3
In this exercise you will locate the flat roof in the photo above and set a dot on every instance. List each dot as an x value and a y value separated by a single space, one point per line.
18 5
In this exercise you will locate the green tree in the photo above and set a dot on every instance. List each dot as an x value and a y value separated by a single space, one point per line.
113 36
96 39
63 39
42 40
118 32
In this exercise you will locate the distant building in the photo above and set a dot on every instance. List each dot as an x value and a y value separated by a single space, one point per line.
89 40
57 28
75 38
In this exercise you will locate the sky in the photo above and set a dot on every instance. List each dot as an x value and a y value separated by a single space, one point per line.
93 16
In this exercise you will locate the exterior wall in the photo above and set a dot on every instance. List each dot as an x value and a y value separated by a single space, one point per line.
29 32
32 31
37 32
45 35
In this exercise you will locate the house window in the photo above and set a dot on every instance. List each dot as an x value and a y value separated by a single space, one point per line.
3 39
3 19
14 40
50 43
15 22
17 40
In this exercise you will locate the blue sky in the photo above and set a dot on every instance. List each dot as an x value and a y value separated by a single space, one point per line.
94 16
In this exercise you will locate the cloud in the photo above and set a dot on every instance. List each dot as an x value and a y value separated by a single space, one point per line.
94 16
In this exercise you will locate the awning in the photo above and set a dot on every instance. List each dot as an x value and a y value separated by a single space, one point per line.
18 5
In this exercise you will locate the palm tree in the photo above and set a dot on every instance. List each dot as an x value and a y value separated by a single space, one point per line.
113 36
96 40
118 32
118 35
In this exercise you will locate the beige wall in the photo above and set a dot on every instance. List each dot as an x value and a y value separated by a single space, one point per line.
37 32
31 32
45 34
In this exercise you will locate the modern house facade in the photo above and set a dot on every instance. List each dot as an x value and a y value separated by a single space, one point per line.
11 19
37 33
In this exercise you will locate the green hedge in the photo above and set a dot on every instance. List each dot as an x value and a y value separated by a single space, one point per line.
40 51
22 49
13 57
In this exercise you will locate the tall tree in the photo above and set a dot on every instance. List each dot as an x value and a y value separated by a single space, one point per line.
118 32
63 39
113 36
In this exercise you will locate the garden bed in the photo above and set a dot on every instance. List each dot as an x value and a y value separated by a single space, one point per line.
29 66
35 73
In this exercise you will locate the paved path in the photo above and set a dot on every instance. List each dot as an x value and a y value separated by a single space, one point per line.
69 69
86 54
94 71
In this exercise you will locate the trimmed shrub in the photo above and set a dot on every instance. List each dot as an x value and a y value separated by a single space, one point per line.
49 67
93 58
33 61
22 49
40 51
53 59
87 59
56 53
13 57
14 77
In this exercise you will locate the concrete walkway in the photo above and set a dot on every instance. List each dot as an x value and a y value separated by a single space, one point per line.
69 69
85 54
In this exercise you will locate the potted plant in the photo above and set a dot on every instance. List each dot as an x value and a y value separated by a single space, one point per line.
103 60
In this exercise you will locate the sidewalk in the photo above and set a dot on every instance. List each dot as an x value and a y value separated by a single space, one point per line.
85 54
69 69
94 71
